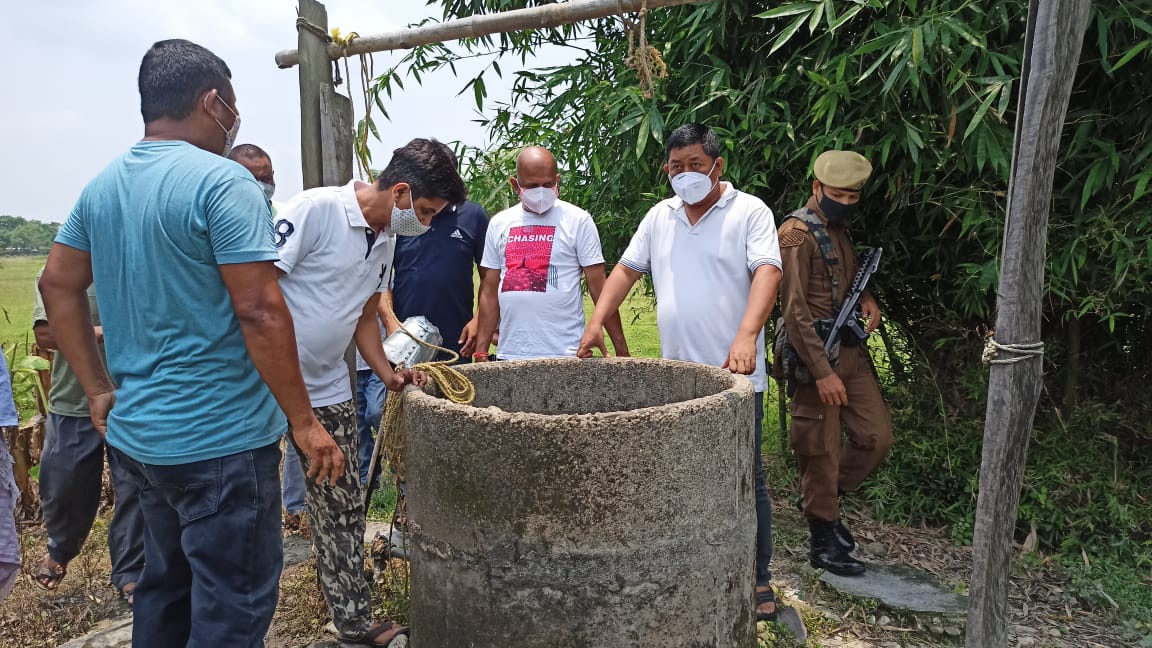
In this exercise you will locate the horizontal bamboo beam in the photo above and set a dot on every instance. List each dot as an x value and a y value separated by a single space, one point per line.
553 15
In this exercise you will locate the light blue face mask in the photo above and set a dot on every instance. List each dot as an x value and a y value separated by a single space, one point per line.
229 133
406 223
269 189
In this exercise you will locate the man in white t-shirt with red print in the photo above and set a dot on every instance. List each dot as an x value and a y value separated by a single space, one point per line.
714 259
540 248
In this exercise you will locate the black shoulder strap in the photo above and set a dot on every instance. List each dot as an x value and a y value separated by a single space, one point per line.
824 242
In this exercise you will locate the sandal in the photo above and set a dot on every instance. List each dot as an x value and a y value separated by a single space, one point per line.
49 577
763 597
376 632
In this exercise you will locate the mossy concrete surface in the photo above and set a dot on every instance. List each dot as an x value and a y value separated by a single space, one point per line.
583 503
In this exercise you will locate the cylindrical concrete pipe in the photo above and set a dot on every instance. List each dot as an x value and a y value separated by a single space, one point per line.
583 503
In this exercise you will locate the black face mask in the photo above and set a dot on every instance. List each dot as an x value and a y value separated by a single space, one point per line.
837 213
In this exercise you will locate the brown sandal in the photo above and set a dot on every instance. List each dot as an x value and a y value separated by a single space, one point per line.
376 632
49 577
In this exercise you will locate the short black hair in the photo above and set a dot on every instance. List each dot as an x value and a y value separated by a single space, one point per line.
690 134
174 73
429 167
247 152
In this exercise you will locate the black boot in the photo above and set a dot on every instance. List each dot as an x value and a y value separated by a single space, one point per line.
828 554
843 535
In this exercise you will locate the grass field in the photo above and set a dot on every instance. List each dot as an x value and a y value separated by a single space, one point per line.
18 277
17 281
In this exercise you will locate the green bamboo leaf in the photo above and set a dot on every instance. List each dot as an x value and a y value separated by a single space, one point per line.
878 43
979 116
787 10
829 13
917 46
642 137
895 75
1005 98
814 20
478 92
845 17
787 34
962 31
1141 189
1131 54
981 149
1091 183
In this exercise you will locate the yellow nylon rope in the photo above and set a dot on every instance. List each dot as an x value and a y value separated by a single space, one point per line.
452 383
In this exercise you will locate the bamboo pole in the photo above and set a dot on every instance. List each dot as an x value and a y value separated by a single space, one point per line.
1051 54
553 15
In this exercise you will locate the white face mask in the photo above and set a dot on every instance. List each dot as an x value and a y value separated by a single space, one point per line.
229 133
406 223
269 189
693 187
538 200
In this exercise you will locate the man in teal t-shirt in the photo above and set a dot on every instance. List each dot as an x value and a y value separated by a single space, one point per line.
72 473
201 350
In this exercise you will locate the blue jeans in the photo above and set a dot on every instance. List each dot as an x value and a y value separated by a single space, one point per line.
763 505
213 551
370 393
71 478
294 490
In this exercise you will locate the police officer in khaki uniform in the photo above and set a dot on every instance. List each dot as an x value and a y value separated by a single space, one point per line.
844 392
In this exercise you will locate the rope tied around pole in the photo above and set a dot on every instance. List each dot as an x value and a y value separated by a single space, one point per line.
642 57
452 383
367 73
308 25
1022 351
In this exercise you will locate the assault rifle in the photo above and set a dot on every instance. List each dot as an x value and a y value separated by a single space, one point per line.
869 262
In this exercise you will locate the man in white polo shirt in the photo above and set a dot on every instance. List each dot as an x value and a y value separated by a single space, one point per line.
715 265
540 248
336 246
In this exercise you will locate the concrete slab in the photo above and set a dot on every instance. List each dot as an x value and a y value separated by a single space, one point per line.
110 633
789 617
900 588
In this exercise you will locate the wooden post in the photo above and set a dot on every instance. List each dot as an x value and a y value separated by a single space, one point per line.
1051 54
315 75
337 137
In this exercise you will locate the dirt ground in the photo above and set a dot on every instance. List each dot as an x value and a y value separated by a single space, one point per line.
1043 612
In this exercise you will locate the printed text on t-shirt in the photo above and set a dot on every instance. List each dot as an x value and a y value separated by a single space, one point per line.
528 257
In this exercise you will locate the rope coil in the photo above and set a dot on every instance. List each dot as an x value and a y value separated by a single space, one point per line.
1022 351
452 383
642 57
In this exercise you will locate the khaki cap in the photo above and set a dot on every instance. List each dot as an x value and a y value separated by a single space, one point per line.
842 169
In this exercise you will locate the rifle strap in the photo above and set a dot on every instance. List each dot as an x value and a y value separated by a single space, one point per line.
827 248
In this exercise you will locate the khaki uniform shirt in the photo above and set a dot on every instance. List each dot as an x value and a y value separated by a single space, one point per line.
66 396
806 288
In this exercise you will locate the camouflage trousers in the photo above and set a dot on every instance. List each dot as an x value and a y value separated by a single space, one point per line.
337 520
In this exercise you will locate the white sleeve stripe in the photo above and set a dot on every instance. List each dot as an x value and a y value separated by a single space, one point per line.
635 266
765 261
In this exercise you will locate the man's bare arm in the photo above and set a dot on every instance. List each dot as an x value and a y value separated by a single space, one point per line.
596 280
270 337
615 289
743 354
488 315
64 288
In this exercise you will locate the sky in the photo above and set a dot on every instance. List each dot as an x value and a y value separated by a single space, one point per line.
70 104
